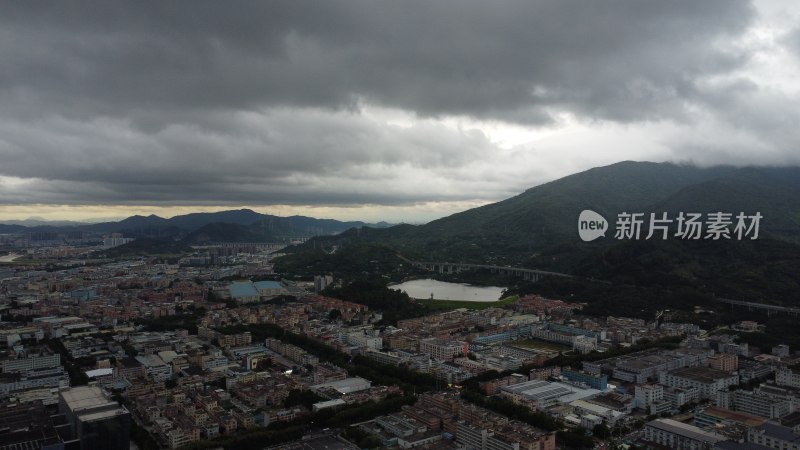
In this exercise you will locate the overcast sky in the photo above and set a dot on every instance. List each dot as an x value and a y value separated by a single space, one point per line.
376 110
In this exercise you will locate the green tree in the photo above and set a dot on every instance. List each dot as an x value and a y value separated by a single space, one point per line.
334 315
601 431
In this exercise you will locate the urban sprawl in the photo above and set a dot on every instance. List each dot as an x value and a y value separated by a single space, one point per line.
216 351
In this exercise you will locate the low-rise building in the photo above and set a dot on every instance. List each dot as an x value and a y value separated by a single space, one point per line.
725 362
785 376
758 402
773 435
706 380
345 386
594 381
541 395
442 350
647 394
677 435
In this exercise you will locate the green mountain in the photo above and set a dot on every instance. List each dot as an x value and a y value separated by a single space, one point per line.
224 232
543 219
509 231
538 229
773 192
267 229
146 247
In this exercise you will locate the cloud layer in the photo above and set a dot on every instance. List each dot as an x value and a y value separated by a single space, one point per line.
381 103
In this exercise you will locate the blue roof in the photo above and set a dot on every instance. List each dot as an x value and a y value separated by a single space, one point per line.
243 289
781 432
87 294
268 285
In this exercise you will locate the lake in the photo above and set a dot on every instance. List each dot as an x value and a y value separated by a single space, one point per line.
10 257
441 290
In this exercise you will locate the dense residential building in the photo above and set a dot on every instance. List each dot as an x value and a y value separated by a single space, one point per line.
442 350
724 361
186 387
773 435
599 382
786 376
707 381
758 402
646 365
31 363
677 396
723 419
781 351
753 370
648 394
677 435
493 435
155 367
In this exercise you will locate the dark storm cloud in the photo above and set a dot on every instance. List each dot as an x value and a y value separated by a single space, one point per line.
284 156
513 59
255 102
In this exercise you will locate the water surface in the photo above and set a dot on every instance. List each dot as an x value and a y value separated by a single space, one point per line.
443 290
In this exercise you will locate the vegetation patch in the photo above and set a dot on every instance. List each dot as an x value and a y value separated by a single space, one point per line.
434 305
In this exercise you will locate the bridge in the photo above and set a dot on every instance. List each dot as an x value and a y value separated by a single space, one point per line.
763 306
525 274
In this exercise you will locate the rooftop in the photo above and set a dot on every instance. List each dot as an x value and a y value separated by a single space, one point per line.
243 289
539 390
84 397
700 374
99 372
267 285
780 432
151 360
685 430
736 416
731 445
345 386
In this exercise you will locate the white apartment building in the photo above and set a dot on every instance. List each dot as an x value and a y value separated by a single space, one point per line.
442 350
785 376
646 395
360 339
706 380
677 435
31 362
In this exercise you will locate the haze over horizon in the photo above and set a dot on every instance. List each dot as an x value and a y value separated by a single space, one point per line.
360 110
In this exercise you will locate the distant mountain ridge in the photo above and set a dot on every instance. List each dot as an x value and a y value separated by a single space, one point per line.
37 222
237 225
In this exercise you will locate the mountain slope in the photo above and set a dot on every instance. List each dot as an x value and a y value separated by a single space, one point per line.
773 192
195 221
540 219
547 214
223 232
538 228
268 229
